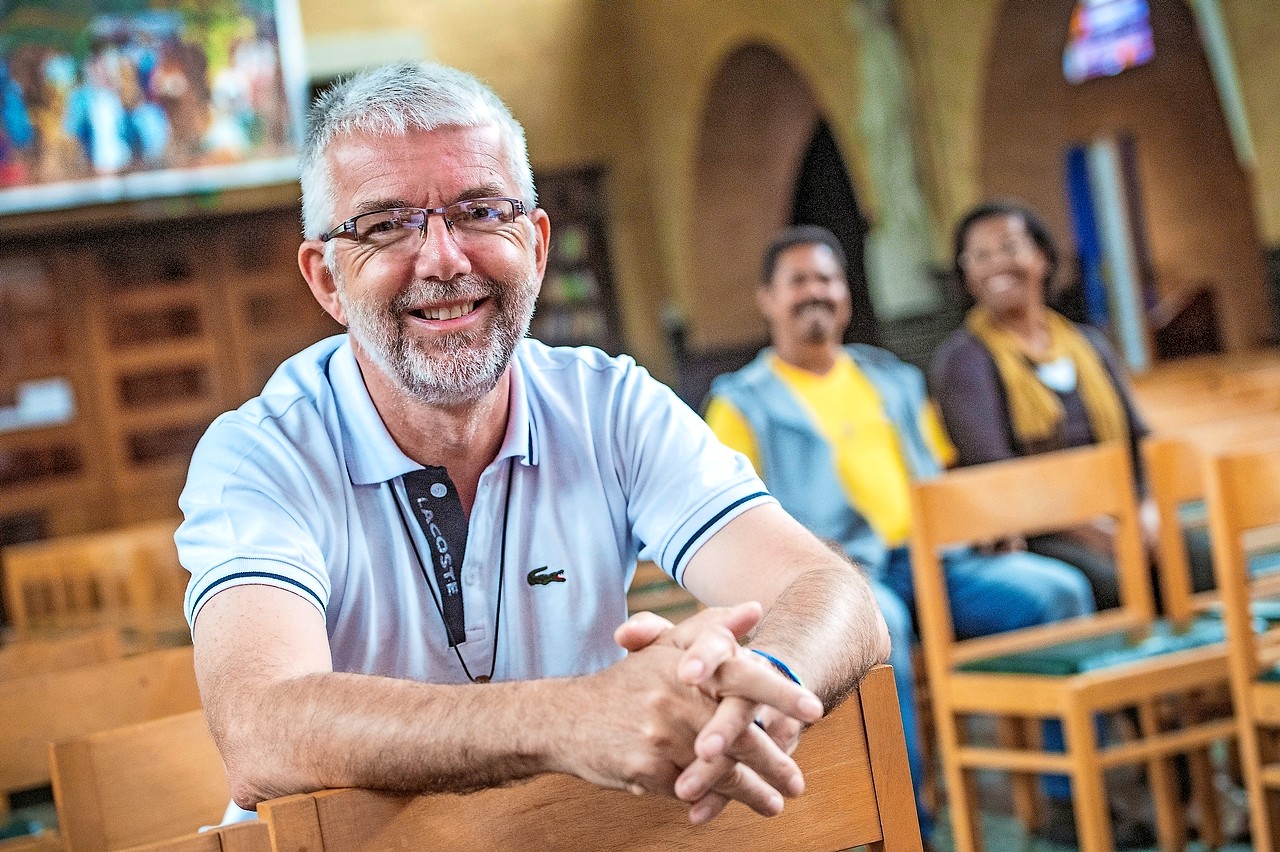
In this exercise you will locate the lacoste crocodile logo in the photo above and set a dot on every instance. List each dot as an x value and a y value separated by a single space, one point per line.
538 578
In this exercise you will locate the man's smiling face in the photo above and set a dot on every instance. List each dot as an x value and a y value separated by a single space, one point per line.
807 299
440 315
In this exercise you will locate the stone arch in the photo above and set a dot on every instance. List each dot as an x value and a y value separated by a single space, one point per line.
758 127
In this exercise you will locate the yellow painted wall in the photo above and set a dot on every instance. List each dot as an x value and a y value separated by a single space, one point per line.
1253 27
623 84
948 44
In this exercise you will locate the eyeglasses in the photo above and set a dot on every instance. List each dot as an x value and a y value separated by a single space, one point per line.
385 228
1008 250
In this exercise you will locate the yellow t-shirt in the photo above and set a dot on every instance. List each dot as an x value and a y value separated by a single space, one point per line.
849 414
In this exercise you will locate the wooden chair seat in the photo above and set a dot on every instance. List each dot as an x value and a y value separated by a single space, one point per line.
31 656
1105 650
858 791
1071 671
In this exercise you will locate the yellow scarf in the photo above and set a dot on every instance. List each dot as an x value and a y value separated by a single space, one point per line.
1035 410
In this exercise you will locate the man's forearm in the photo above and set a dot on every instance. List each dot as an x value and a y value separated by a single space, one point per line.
346 730
827 628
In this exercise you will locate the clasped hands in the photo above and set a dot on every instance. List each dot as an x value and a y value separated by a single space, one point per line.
725 724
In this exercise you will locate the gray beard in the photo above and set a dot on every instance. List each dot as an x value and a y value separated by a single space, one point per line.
467 364
815 332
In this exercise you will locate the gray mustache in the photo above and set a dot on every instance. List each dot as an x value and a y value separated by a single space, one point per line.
814 303
469 287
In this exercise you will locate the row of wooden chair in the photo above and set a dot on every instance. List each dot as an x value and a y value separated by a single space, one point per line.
1171 672
118 787
51 705
128 578
1244 500
132 787
1071 671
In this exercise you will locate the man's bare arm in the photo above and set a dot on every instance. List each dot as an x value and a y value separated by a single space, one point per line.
820 618
286 723
819 614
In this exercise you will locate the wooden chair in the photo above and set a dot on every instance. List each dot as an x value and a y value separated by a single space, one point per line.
129 577
653 591
31 656
241 837
1176 484
858 792
139 783
1070 671
1244 498
38 709
45 841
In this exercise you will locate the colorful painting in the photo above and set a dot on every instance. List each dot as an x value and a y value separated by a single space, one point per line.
103 100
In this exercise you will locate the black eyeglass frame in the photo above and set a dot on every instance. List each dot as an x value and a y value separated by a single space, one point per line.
348 228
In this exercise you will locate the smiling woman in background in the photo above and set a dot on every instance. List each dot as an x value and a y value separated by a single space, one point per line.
1018 378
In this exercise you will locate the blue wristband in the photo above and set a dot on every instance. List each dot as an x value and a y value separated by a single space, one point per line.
779 665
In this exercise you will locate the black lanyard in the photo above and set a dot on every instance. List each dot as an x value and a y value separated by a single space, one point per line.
438 511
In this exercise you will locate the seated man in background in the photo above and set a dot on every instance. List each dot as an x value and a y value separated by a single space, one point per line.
335 524
839 433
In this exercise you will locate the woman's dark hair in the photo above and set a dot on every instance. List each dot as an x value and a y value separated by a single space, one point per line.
1036 227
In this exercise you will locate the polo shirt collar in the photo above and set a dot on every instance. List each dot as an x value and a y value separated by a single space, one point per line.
372 454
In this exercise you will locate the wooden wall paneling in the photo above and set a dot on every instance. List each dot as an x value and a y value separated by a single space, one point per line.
269 311
51 481
159 379
158 328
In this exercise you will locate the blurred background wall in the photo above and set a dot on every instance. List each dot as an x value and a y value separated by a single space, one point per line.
669 139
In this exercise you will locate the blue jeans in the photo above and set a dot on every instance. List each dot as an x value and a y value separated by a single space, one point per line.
988 594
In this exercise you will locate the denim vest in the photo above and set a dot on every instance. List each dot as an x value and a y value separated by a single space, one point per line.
798 462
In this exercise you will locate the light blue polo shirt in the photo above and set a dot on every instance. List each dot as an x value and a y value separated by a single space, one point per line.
298 489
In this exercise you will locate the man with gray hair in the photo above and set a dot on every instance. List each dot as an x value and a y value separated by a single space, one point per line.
410 553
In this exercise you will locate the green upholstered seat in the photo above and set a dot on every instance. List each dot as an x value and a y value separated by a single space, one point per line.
1271 675
1105 650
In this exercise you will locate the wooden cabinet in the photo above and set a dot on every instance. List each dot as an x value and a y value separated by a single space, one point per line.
152 330
576 306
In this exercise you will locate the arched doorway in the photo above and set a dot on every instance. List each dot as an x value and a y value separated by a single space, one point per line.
762 137
1193 196
824 196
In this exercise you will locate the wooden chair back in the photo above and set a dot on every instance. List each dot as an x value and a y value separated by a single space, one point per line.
241 837
858 791
1176 479
45 841
41 708
118 576
30 656
1020 497
139 783
1243 494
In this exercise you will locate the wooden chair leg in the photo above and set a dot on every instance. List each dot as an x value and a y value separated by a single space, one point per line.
930 789
962 789
1088 791
1251 758
1205 794
1171 823
1016 733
